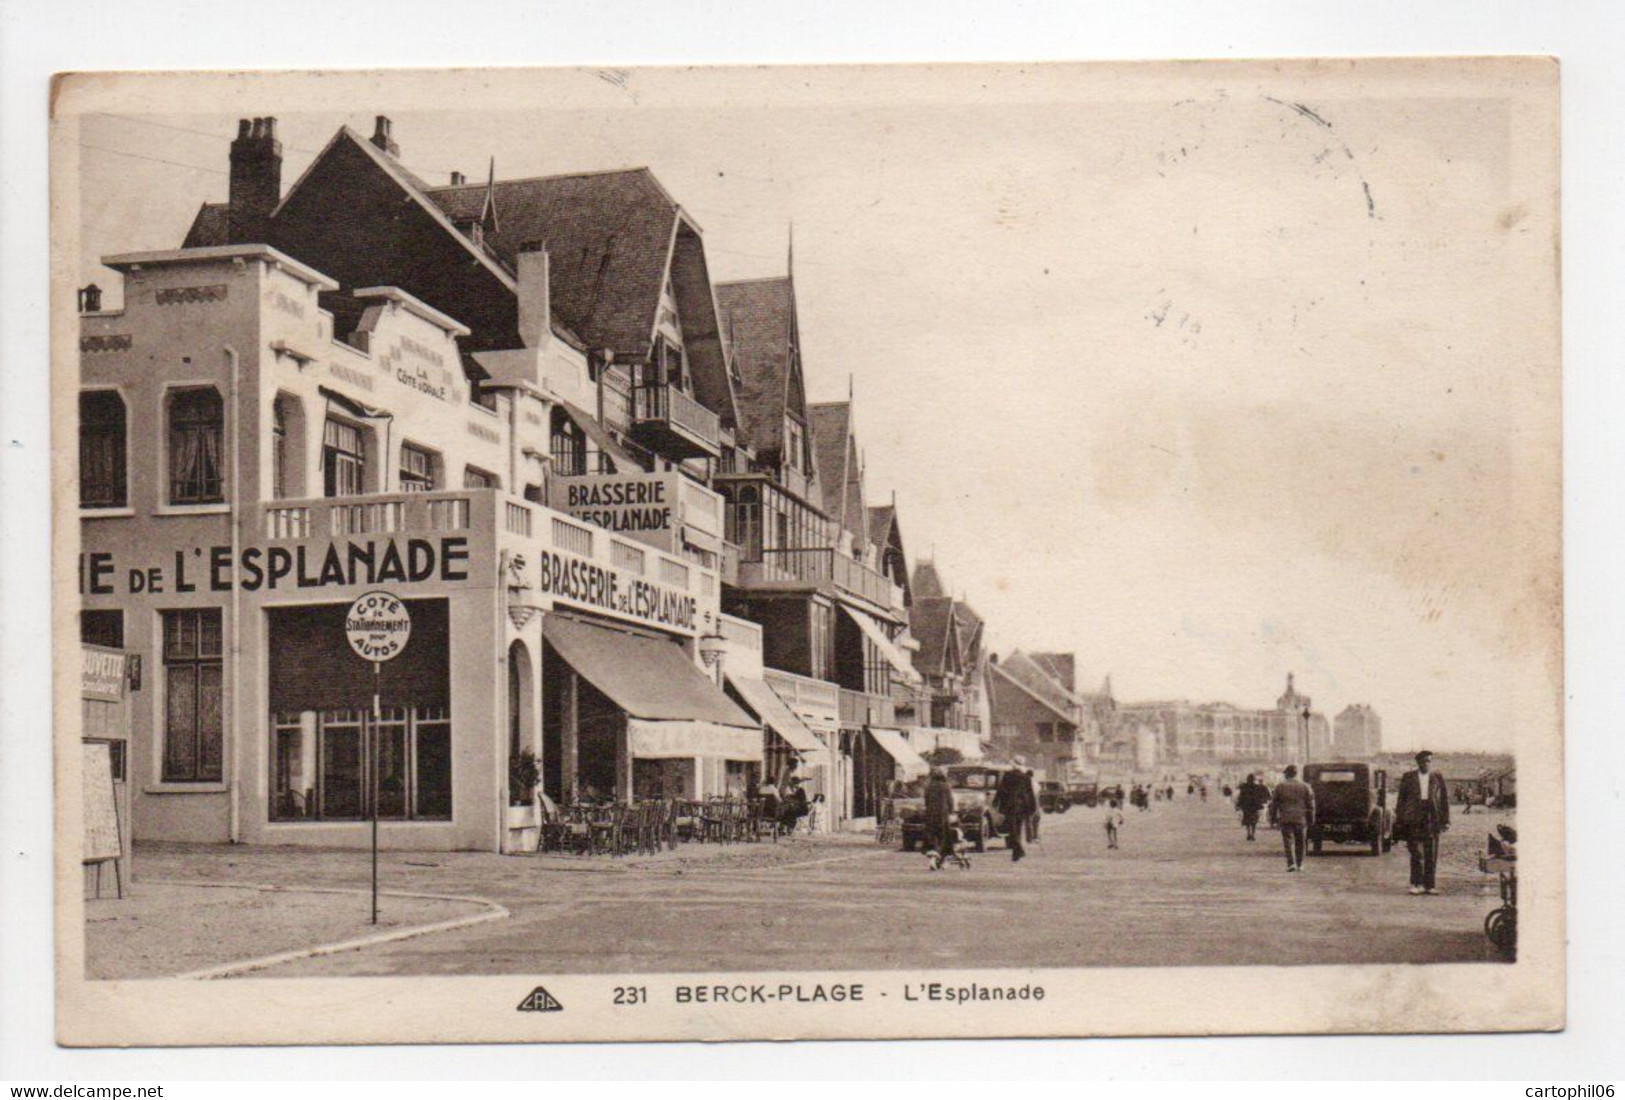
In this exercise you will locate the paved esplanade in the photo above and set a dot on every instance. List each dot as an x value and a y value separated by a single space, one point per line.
1186 888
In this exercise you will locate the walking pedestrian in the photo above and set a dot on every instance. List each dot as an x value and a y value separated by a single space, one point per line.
1421 815
1038 811
939 819
1114 822
1014 799
1204 792
1251 799
1294 805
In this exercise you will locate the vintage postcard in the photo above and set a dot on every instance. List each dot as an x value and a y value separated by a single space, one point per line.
965 550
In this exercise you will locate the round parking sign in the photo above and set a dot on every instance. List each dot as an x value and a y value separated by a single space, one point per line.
378 626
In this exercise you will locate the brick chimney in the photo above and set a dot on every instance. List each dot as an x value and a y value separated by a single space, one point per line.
458 179
256 180
382 137
535 304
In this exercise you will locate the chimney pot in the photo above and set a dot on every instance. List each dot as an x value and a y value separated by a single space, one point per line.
383 135
458 179
256 180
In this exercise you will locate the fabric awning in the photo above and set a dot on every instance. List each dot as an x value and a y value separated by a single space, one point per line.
645 677
702 540
895 656
648 740
761 698
595 431
909 762
352 406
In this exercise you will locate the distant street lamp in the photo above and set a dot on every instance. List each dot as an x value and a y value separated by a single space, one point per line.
1306 733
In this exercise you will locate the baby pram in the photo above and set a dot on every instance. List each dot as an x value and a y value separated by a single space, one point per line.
955 853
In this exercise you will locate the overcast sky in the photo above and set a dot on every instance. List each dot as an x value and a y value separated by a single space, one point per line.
1205 379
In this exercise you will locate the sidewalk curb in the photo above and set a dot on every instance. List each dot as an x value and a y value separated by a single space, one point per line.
493 911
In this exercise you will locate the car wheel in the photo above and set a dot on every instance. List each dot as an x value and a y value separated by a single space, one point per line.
1376 844
908 843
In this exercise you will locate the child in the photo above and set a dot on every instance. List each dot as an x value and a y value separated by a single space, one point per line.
1114 821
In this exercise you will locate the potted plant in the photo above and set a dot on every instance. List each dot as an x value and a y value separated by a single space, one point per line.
523 774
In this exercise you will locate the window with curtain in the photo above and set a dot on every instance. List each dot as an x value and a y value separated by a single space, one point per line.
193 722
196 438
102 437
344 459
417 469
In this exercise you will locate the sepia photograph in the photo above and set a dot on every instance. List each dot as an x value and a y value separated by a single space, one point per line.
799 552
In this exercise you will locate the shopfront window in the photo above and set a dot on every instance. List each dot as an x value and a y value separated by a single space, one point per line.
344 459
321 764
102 628
196 429
102 441
326 751
192 696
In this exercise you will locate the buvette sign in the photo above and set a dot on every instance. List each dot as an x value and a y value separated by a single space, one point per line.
378 626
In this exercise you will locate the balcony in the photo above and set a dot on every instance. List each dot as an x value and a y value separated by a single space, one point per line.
822 566
384 514
817 702
859 708
671 423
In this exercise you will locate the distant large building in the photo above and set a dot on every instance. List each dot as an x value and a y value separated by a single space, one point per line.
1171 732
1357 731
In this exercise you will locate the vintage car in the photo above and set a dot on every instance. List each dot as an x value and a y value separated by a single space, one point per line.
1351 806
1053 797
1083 792
973 786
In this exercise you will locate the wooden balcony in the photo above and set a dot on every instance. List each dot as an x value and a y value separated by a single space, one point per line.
862 709
823 566
671 423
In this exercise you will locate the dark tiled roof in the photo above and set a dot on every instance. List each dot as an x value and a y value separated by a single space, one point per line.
209 228
1062 668
1031 675
608 236
835 452
881 518
927 581
928 621
1026 674
758 317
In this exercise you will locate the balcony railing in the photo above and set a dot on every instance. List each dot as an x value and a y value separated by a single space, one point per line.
334 517
862 709
827 565
675 419
819 700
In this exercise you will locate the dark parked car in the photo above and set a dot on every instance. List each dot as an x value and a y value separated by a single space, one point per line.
1053 797
973 786
1351 806
1083 793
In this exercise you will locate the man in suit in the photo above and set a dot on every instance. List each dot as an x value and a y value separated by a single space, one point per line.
1294 806
1015 799
1421 815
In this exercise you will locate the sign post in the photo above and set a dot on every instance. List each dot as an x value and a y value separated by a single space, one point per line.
378 627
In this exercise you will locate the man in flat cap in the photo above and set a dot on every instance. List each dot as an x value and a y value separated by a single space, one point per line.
1423 812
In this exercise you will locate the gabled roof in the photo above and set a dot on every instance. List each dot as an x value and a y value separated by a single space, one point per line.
1036 680
759 316
1061 667
608 236
1032 689
927 581
930 620
210 228
840 470
882 520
